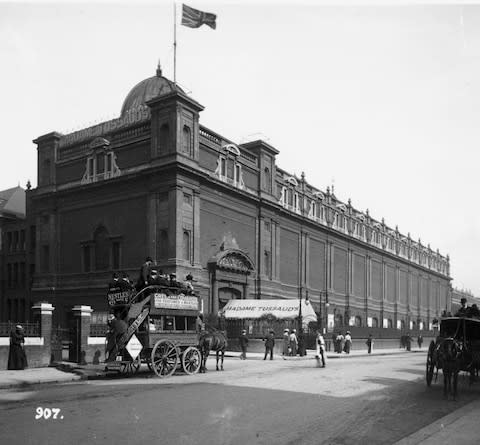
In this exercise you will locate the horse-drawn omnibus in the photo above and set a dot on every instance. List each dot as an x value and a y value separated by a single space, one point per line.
457 348
160 329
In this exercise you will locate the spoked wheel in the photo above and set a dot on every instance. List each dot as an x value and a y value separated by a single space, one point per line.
164 358
191 360
430 364
130 368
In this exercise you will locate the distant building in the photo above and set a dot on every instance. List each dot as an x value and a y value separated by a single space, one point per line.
154 182
14 283
458 294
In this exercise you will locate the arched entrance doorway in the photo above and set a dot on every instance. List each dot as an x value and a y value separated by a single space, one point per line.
229 273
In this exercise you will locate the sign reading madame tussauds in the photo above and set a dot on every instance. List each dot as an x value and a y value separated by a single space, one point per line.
179 301
251 309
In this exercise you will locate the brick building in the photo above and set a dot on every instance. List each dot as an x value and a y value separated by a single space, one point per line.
14 265
155 182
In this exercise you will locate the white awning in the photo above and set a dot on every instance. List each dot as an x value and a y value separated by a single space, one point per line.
282 309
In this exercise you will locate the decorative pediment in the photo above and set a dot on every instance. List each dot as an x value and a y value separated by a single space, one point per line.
342 207
292 180
232 148
319 195
233 260
99 143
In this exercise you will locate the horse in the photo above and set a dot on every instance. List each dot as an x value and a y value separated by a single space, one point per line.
212 341
451 361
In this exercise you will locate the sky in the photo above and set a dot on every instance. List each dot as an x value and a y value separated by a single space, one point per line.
380 100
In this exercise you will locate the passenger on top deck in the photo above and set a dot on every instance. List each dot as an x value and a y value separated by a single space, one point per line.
126 282
462 312
173 281
188 286
114 283
144 274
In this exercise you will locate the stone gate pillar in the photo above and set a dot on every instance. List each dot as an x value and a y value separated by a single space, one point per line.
82 315
42 312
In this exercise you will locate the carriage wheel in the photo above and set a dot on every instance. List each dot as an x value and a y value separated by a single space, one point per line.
430 364
164 358
130 368
191 360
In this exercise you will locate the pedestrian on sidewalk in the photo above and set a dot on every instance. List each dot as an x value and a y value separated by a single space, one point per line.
293 343
348 342
339 342
369 343
320 343
286 342
419 341
408 342
17 359
269 345
243 340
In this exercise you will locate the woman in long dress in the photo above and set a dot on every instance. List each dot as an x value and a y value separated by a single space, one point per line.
16 355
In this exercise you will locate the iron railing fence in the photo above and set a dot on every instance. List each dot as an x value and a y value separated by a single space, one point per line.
30 329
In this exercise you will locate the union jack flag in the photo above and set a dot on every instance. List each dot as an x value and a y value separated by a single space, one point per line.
193 18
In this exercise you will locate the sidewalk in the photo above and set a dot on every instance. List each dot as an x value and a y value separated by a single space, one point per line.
459 428
34 376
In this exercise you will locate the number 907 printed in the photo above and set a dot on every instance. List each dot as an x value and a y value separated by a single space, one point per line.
48 413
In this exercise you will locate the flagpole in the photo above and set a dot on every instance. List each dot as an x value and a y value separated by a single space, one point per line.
175 43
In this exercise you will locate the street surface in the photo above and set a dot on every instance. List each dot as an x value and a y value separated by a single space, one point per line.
355 400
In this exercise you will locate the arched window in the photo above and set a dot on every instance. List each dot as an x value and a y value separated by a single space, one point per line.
374 322
338 320
186 245
358 321
164 137
187 140
102 248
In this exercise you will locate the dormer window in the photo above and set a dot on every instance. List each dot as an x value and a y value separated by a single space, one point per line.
229 168
101 163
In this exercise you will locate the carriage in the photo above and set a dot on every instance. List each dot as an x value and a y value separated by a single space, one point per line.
457 348
162 331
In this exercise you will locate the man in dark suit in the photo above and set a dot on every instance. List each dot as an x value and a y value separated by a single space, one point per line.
269 344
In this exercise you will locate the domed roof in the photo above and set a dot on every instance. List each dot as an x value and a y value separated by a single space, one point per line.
148 89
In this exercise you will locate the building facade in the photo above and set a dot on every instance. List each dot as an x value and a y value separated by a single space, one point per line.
15 269
154 182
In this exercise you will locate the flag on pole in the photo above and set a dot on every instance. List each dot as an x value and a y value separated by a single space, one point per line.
193 18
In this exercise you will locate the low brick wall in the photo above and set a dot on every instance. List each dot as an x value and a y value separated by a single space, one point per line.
95 350
38 355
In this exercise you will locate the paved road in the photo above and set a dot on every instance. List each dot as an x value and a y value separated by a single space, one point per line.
374 400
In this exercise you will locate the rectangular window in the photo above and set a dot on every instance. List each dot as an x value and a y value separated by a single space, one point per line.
100 163
9 275
186 245
91 167
32 274
223 167
33 238
116 255
86 258
109 162
180 323
45 259
22 239
22 275
237 173
9 241
15 275
15 241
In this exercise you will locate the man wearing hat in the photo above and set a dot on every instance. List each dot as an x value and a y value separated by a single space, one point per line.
243 340
463 309
269 344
